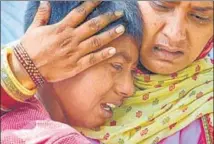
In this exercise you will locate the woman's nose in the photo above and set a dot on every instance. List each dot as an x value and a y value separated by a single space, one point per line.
175 29
125 87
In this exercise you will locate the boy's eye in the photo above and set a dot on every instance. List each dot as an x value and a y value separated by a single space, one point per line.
117 66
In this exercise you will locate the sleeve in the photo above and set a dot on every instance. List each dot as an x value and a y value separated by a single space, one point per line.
7 102
42 132
71 139
210 125
206 136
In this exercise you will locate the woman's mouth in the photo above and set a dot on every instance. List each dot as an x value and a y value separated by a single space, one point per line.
166 53
107 109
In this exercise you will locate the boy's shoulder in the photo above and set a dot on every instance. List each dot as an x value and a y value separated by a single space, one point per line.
30 123
31 110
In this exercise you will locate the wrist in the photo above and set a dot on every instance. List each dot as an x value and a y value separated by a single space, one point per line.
20 73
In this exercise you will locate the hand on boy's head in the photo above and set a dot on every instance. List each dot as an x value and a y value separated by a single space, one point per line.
60 50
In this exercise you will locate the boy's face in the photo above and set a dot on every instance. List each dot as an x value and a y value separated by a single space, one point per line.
85 98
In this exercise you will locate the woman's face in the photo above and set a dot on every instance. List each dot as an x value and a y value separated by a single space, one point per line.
87 99
175 33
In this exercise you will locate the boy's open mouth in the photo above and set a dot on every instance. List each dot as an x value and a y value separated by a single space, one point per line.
108 106
108 109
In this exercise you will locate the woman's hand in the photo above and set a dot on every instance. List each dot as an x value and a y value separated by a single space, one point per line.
64 49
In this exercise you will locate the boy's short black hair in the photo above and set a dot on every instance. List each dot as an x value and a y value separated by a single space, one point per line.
59 9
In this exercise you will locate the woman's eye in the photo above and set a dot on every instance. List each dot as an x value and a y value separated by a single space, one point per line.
117 66
200 19
158 5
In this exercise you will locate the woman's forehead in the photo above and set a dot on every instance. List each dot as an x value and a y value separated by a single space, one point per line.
126 48
202 4
192 3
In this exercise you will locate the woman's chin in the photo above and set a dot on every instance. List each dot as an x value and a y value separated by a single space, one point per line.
163 67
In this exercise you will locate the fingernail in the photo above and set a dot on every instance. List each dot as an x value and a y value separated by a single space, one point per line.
96 2
120 29
43 3
118 13
112 51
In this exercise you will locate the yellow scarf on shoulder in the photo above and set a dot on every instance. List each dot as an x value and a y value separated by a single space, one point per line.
161 106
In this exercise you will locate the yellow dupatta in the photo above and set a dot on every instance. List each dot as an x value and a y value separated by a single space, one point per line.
161 106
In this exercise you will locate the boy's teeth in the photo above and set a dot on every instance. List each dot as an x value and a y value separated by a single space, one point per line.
107 108
158 48
111 105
